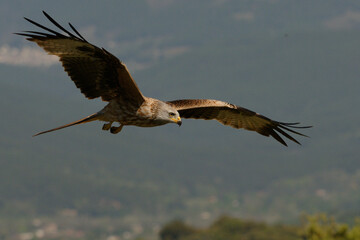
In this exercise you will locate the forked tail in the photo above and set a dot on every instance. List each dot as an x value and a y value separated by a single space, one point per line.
90 118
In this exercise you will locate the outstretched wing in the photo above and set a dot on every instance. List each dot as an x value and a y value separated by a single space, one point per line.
234 116
94 70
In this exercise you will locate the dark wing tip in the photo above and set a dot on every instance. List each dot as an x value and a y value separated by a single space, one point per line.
280 127
76 31
293 125
277 137
55 33
59 26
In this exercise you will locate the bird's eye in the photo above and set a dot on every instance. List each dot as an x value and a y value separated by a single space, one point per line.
172 114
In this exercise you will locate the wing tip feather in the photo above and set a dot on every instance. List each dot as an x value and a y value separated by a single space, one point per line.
54 34
281 127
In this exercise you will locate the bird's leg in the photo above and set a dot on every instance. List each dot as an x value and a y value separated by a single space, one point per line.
115 130
107 126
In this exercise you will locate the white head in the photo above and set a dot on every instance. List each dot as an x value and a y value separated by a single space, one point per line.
167 114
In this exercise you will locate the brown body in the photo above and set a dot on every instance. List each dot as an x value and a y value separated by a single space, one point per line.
128 114
98 73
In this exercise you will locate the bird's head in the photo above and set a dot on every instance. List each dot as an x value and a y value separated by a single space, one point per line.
168 114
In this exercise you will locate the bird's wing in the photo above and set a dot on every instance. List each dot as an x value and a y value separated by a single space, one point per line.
94 70
234 116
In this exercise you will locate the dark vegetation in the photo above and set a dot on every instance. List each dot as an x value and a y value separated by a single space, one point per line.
230 229
317 227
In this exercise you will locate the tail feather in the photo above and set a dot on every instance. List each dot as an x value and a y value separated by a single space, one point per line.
90 118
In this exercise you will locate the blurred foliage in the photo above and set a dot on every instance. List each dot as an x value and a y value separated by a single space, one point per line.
230 229
314 227
322 227
176 230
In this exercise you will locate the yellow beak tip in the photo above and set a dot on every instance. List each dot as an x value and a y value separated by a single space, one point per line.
177 121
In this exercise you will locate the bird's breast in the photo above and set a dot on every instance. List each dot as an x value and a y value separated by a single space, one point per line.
130 114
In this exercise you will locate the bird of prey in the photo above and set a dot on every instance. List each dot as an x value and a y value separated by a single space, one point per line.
98 73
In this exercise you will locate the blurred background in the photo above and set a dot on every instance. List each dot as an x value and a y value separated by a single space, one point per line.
288 60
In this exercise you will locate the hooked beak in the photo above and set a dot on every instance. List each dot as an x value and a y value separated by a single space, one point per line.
177 121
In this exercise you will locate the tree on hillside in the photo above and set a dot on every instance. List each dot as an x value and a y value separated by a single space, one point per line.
321 227
318 227
230 229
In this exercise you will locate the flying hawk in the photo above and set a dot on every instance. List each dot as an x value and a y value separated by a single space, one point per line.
98 73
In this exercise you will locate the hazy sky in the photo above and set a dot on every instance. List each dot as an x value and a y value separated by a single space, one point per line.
151 23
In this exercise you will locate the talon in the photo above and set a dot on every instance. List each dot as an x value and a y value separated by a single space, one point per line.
107 126
115 130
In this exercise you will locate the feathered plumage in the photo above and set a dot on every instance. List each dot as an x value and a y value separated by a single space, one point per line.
234 116
98 73
94 70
